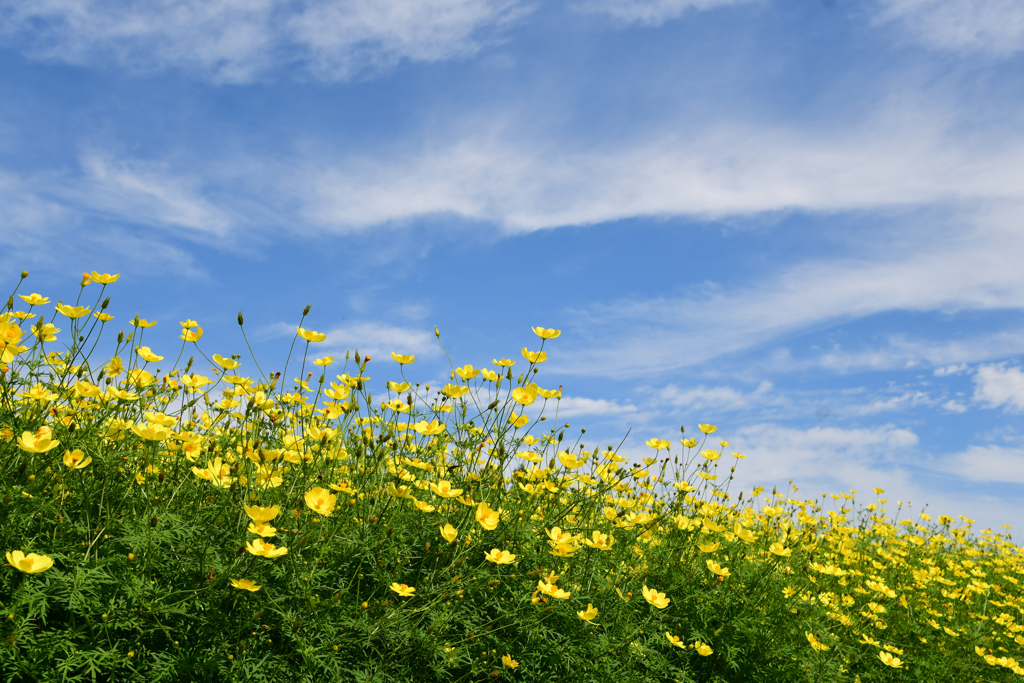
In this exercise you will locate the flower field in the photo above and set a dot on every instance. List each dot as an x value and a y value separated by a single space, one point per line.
206 519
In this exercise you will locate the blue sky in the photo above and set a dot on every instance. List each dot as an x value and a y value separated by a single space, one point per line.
800 221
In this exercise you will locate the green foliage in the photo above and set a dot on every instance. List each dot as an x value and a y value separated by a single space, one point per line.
150 537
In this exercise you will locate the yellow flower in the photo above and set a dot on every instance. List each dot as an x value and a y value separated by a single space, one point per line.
152 432
546 333
40 442
467 372
403 590
262 529
499 556
103 278
675 640
73 311
403 360
711 454
444 489
815 643
780 550
449 533
261 548
321 501
600 541
745 535
148 355
504 363
588 614
30 564
707 429
189 324
716 568
889 660
431 428
35 299
142 322
261 514
311 335
490 375
76 459
709 547
570 460
518 421
325 361
509 662
226 363
422 506
625 598
399 491
655 598
534 356
454 390
191 335
399 387
245 585
487 517
703 649
45 332
658 444
524 396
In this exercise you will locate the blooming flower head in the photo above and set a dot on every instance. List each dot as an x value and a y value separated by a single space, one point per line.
509 662
707 429
226 363
718 569
588 614
76 459
780 550
655 598
444 489
815 643
262 514
499 556
39 442
449 533
245 585
103 278
534 356
703 649
321 501
675 640
403 359
311 335
261 548
146 354
546 333
403 590
659 444
889 660
30 564
487 517
191 335
600 541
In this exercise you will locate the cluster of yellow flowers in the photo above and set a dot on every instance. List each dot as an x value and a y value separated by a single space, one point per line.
257 435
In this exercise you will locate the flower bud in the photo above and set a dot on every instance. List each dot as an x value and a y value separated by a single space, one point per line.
241 320
305 311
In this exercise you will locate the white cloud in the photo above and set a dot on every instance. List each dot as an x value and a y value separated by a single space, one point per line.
907 399
990 26
651 12
948 370
574 406
954 407
998 385
987 464
380 340
716 398
239 40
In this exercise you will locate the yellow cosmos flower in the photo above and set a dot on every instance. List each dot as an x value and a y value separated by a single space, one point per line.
403 360
245 585
422 505
658 444
321 501
152 432
324 362
191 335
709 547
226 363
518 421
711 454
675 640
103 278
142 322
39 442
403 590
262 529
889 660
745 535
509 662
73 312
449 533
311 335
34 299
588 615
444 489
504 363
815 643
600 541
524 396
45 332
655 598
570 460
431 428
546 333
262 514
30 564
399 491
487 517
718 569
467 372
499 556
707 429
76 459
400 387
780 550
147 354
261 548
454 390
489 375
703 649
534 356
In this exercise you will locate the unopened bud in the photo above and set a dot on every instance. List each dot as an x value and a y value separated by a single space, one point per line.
241 320
24 274
305 311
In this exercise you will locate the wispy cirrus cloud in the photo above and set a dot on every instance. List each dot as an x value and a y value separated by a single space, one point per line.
651 12
238 41
999 386
989 26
